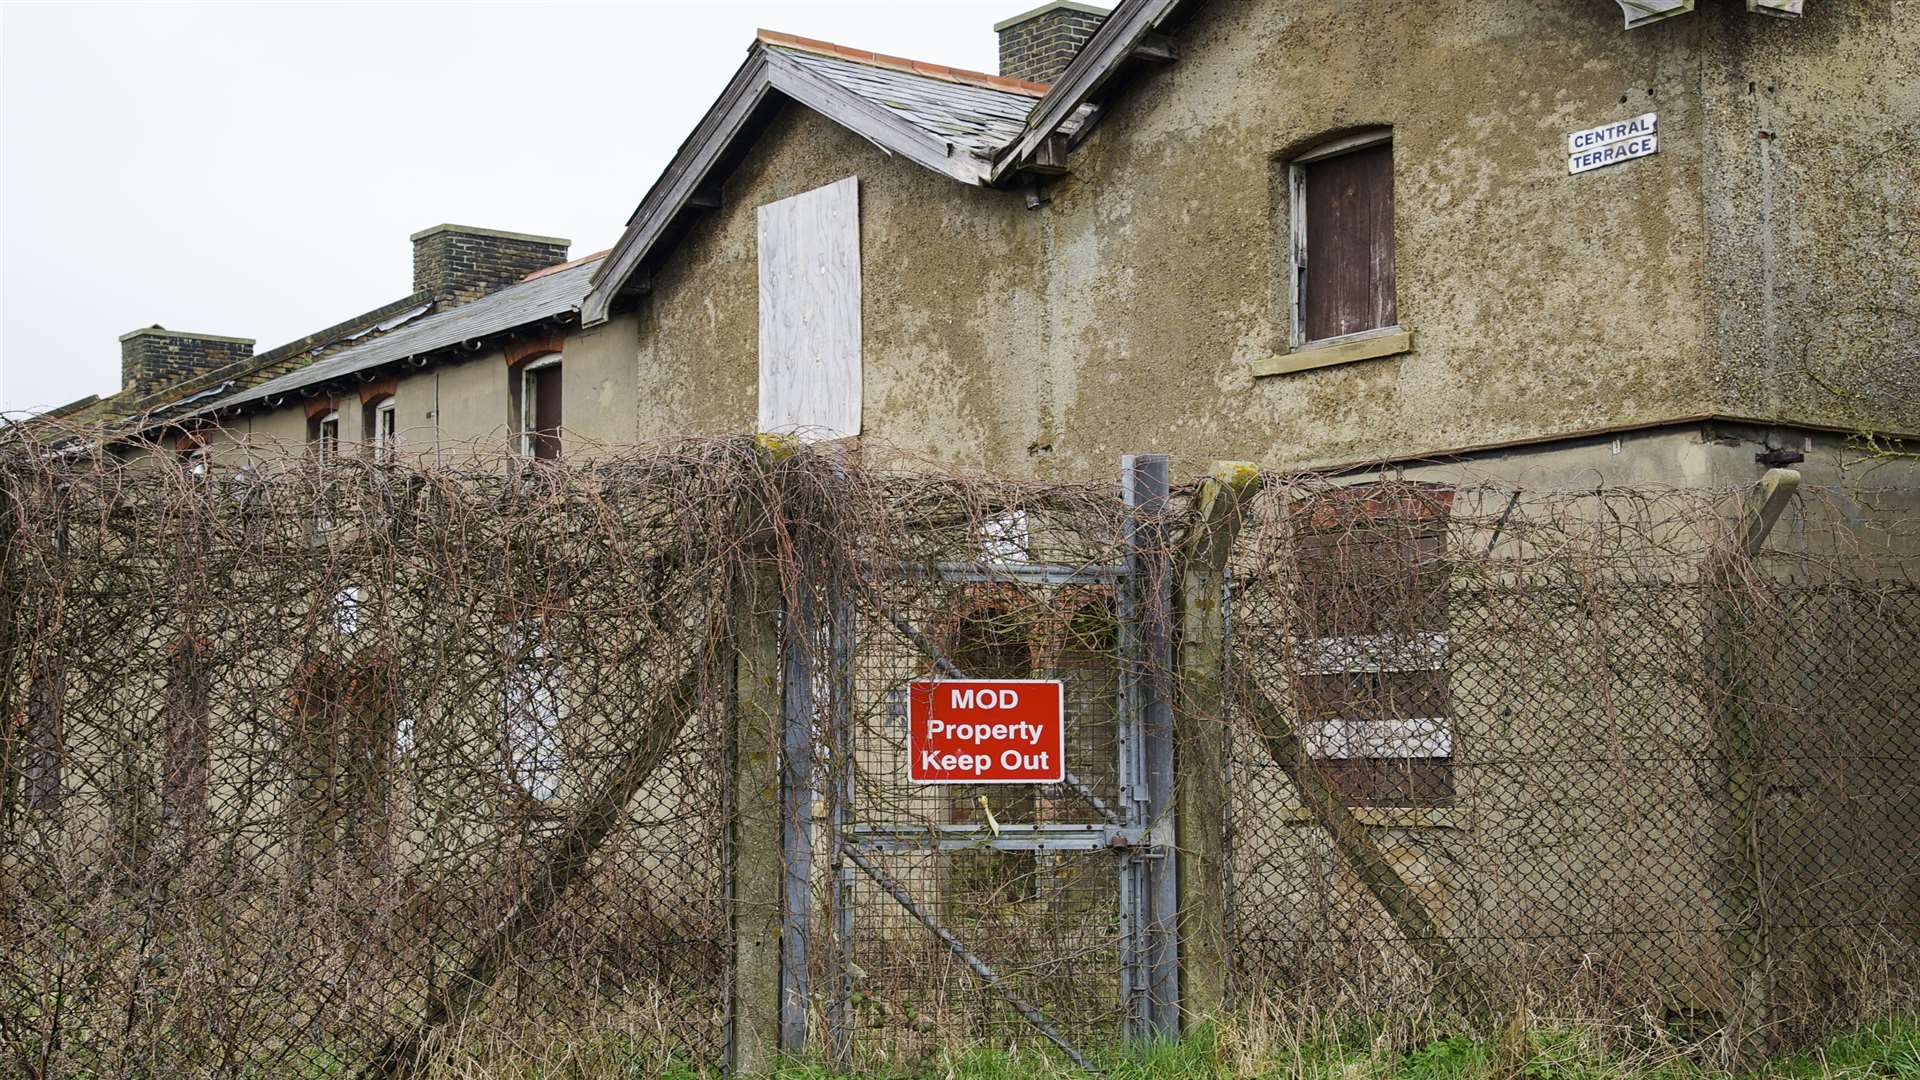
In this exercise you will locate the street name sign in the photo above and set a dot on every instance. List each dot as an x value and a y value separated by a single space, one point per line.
1611 144
986 731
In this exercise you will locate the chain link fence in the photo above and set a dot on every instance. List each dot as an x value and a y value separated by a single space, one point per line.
338 768
311 769
1577 752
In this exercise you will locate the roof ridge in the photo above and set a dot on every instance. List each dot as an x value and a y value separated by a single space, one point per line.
981 79
557 267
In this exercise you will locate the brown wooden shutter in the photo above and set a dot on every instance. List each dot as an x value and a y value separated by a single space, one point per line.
1349 224
1372 574
546 411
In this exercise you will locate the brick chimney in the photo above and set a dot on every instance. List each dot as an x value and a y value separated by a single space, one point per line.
459 263
1038 45
155 358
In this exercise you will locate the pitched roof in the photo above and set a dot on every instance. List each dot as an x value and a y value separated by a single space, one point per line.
977 113
543 295
901 63
946 119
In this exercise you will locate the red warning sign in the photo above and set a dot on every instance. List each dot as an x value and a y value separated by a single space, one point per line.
987 731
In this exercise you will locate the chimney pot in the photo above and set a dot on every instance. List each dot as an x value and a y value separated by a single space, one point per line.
1038 45
457 264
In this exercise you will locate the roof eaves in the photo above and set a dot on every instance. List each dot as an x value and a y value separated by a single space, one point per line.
677 183
489 318
1100 59
763 71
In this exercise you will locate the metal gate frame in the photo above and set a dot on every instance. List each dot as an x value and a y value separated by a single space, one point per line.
1139 832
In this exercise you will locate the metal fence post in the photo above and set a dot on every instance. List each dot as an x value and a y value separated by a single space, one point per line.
1155 892
1203 736
840 1035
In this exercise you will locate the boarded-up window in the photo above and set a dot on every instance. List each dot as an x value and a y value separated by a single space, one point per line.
184 782
810 313
45 735
1343 240
1371 652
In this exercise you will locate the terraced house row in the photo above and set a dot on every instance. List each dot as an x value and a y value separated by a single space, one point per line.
1307 235
1492 271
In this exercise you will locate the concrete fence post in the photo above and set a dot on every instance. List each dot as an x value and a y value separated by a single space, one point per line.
757 823
1732 654
1202 736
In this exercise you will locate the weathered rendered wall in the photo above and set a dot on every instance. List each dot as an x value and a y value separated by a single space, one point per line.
1772 232
1125 313
950 304
1813 202
1538 301
597 407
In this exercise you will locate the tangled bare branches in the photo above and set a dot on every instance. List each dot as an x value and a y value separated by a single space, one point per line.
323 767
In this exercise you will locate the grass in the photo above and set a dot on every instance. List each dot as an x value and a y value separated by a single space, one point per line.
1888 1049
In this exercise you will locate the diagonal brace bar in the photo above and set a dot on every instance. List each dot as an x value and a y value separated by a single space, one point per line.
979 967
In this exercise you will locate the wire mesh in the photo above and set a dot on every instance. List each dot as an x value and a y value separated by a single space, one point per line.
333 767
1494 746
986 580
320 767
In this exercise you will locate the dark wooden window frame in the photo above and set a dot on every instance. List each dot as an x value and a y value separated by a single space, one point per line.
1297 239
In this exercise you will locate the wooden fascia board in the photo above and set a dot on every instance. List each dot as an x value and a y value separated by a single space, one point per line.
874 123
678 185
1111 46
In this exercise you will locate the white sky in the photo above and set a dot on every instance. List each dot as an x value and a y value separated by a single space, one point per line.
255 169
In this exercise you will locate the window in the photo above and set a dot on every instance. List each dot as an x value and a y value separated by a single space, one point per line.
194 453
326 436
45 742
531 716
991 642
187 768
540 391
1371 649
810 329
383 432
1342 244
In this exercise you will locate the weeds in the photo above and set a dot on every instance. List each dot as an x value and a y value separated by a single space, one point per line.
1881 1051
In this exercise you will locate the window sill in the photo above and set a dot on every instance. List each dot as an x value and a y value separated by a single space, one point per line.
1372 345
1385 817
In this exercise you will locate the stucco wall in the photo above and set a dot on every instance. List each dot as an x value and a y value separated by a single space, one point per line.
597 407
1538 301
951 299
1813 201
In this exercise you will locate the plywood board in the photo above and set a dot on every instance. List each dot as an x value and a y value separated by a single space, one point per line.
810 313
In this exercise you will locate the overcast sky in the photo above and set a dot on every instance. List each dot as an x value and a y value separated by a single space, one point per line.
255 169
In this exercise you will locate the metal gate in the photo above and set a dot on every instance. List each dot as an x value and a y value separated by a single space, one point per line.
993 915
